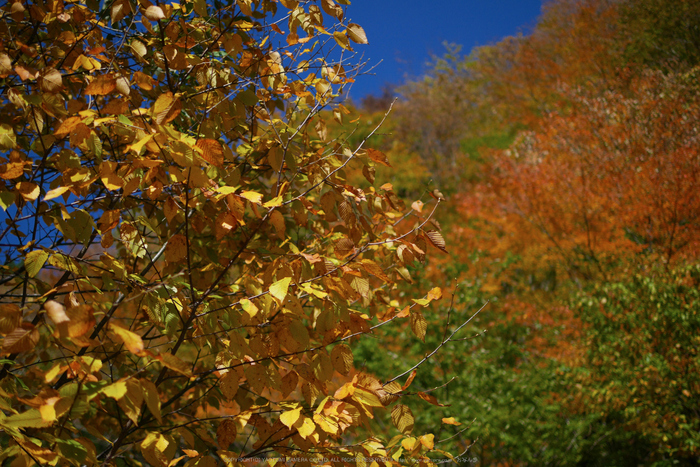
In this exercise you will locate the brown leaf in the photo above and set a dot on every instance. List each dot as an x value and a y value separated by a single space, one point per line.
23 339
176 249
229 384
10 317
226 433
341 357
378 156
431 399
436 239
289 383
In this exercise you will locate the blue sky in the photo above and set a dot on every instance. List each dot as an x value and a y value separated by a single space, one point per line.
404 33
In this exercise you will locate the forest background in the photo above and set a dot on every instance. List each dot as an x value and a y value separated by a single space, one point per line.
271 251
570 160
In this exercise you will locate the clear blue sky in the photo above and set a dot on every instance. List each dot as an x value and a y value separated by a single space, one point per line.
404 33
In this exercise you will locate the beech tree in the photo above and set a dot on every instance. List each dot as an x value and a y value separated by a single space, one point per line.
185 265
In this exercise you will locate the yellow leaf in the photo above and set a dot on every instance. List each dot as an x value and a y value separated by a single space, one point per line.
48 411
252 196
133 341
139 48
115 390
279 288
409 444
274 202
342 40
34 261
428 440
290 417
249 307
306 428
29 191
137 147
450 421
435 293
56 192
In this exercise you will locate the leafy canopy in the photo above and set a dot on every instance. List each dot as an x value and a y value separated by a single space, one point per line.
186 265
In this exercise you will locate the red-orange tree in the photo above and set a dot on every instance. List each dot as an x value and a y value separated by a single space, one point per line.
185 263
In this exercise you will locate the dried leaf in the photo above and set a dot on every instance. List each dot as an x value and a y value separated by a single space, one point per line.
23 339
378 156
436 239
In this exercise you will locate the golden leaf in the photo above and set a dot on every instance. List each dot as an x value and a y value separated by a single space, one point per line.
402 418
212 151
11 170
450 421
357 34
133 341
419 325
101 85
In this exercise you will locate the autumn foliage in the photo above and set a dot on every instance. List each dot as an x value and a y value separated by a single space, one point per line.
570 157
186 267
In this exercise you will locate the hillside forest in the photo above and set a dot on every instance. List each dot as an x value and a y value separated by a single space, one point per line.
211 258
570 161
